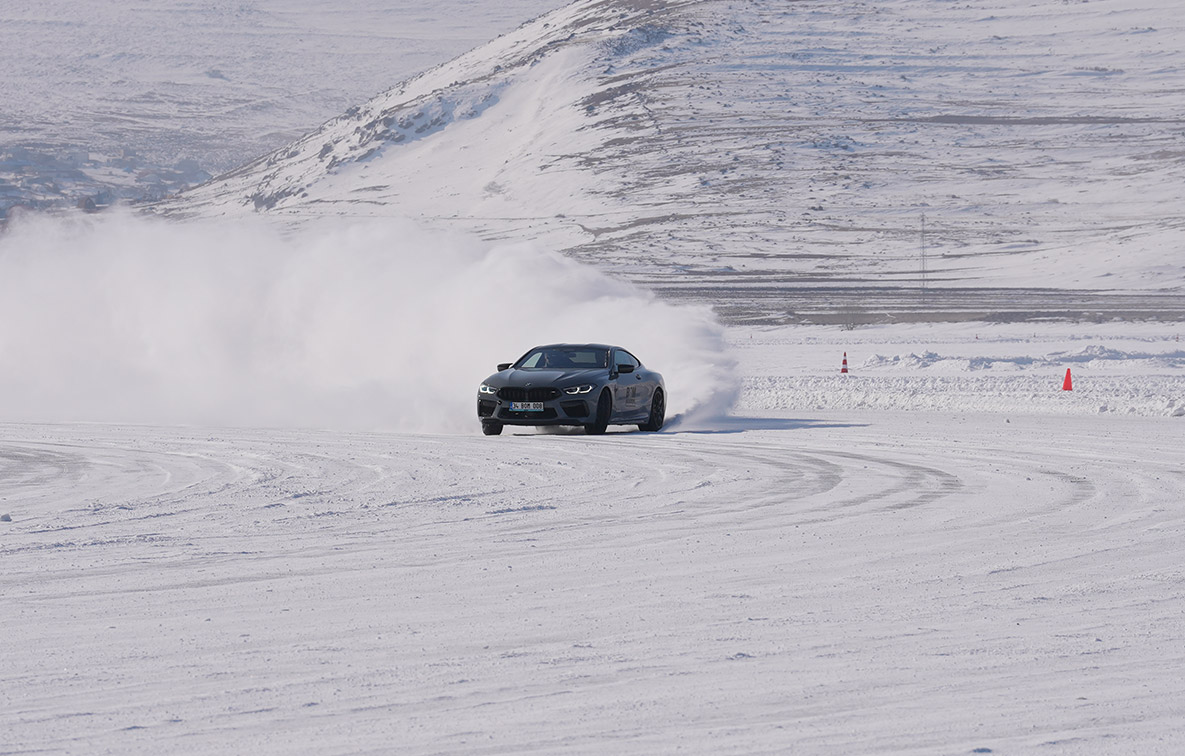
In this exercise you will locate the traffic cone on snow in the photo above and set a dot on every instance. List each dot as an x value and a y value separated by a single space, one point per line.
844 369
1068 384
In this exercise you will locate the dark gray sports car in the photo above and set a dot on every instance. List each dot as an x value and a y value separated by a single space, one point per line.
593 385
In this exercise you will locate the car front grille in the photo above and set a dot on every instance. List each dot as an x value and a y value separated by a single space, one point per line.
520 394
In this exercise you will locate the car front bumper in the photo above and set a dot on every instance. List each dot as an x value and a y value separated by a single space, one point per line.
565 410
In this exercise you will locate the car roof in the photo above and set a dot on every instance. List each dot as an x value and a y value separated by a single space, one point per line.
576 346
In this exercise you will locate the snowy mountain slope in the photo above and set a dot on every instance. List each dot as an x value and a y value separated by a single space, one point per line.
746 152
109 98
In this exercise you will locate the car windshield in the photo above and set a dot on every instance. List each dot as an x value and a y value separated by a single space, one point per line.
565 358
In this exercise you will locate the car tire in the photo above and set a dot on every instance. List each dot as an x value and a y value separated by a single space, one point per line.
491 429
604 412
658 413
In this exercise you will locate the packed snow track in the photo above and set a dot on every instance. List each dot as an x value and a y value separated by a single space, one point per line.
844 583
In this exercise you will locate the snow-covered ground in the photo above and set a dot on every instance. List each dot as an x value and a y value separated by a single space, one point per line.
811 574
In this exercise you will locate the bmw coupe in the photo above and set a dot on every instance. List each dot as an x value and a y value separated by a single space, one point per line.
589 385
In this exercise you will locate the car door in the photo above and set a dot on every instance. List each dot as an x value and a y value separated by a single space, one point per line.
646 387
645 384
627 386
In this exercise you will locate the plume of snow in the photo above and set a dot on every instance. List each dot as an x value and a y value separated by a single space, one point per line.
354 325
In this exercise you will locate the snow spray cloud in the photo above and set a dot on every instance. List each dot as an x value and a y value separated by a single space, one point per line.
344 325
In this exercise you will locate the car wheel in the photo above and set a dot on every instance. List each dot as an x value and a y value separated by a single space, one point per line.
658 413
491 429
604 412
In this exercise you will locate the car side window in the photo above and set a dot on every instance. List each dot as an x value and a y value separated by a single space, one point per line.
623 357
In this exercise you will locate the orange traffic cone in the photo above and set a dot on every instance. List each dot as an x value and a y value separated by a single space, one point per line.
1068 384
844 369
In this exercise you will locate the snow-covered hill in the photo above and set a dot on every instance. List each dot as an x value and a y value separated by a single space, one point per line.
745 152
131 99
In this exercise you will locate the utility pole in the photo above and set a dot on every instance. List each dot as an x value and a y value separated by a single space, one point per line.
923 254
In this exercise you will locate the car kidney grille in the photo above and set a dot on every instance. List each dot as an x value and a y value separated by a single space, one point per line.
519 394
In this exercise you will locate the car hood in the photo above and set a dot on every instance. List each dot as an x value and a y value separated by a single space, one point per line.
545 377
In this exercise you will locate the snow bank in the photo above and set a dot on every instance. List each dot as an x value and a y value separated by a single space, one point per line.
1133 368
1031 395
378 324
1094 356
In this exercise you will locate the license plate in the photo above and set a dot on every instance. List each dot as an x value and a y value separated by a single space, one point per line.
526 406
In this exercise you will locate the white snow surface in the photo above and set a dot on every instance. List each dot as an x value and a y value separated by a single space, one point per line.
900 568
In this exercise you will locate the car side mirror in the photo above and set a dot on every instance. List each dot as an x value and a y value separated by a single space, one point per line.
504 366
625 368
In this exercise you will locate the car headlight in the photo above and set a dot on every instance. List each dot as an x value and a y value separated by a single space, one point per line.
486 389
579 389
